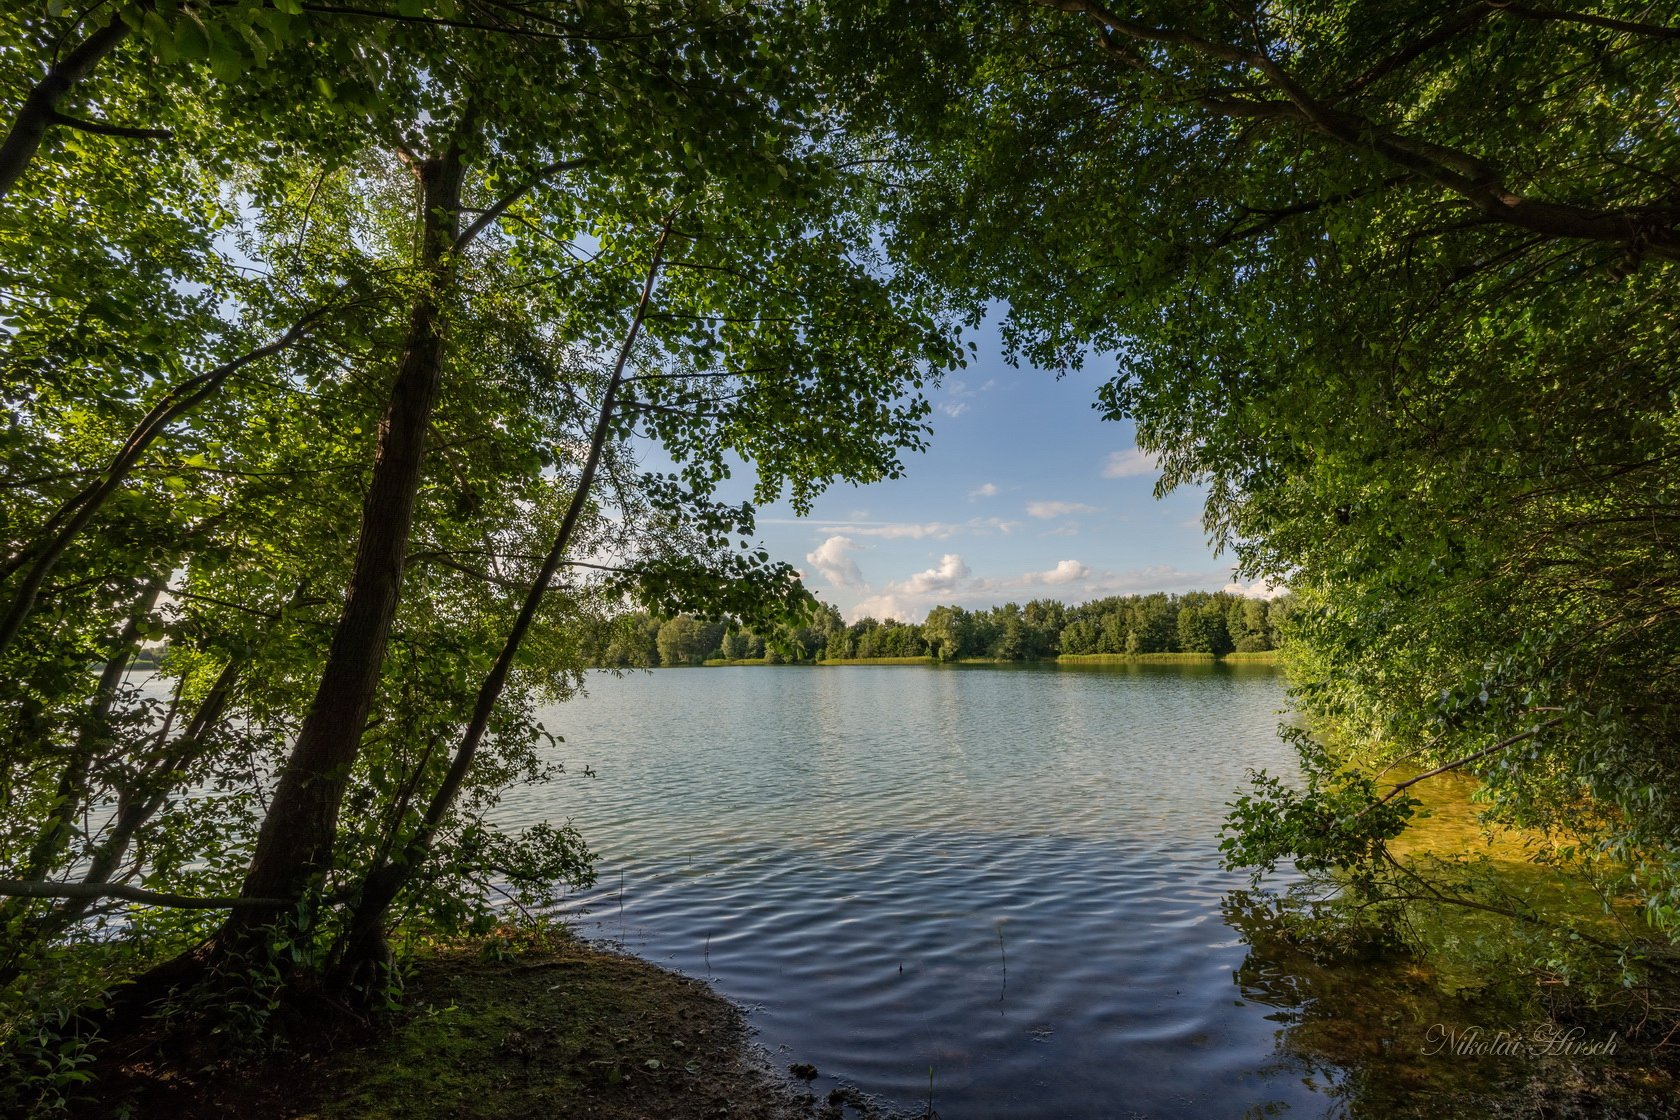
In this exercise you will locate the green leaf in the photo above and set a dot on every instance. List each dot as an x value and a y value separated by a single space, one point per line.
192 41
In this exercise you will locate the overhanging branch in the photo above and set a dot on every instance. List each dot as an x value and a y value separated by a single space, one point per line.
23 888
100 128
1462 762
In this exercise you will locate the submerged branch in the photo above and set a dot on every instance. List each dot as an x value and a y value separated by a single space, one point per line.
1460 762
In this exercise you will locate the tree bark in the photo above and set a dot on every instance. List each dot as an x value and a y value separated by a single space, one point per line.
294 847
40 108
365 954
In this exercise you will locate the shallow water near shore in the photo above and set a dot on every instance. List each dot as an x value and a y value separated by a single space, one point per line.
1007 876
996 887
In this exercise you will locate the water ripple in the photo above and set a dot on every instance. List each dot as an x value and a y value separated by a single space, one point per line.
1010 877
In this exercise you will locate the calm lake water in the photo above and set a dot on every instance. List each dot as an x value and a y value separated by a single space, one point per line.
1007 876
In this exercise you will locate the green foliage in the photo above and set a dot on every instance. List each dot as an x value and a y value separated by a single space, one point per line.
1337 825
46 1066
688 641
198 336
1395 284
1043 629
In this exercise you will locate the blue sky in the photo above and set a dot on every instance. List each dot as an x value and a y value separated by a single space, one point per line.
1024 492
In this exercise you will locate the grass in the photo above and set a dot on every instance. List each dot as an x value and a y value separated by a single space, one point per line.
1130 658
1127 658
1265 657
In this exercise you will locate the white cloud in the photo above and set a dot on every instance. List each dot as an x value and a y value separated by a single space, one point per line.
905 530
1155 577
1130 464
984 490
831 559
886 606
1048 510
1259 589
959 394
944 578
1075 582
908 600
1065 571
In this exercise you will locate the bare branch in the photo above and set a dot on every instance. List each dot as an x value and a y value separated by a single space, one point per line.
1465 761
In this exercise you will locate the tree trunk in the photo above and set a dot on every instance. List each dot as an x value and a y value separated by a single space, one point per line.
41 106
365 955
294 847
57 830
141 802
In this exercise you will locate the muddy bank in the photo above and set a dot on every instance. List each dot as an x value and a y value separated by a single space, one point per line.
558 1030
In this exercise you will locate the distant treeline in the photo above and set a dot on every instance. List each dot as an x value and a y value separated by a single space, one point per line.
1196 622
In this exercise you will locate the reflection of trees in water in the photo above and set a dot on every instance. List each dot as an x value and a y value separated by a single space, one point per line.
1355 1016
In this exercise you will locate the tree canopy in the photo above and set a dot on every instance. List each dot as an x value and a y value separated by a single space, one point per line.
1196 622
1395 282
330 337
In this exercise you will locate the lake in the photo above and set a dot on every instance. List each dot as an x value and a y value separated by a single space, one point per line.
1005 879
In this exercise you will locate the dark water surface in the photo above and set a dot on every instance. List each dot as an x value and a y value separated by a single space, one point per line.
1007 875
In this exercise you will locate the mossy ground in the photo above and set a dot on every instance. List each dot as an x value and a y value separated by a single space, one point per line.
556 1029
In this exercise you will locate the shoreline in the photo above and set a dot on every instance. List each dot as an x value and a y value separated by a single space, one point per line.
524 1024
1264 657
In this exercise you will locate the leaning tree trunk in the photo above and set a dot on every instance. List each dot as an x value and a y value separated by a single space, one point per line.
140 803
40 109
93 737
294 847
366 956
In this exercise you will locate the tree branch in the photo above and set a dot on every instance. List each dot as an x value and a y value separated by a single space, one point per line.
1465 761
501 206
20 888
1640 229
100 128
1462 21
24 138
386 880
75 512
1271 219
1656 30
